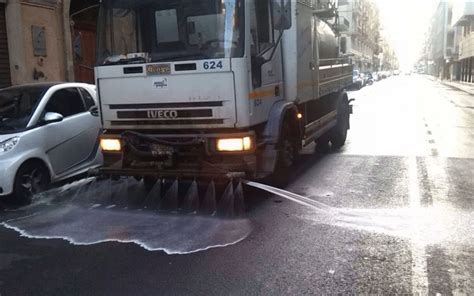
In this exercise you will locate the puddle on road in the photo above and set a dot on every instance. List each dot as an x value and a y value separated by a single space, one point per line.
91 212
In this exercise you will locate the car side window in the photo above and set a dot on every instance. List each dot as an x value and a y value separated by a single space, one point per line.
67 102
88 100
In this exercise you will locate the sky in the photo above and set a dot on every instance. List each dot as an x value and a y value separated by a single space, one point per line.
405 24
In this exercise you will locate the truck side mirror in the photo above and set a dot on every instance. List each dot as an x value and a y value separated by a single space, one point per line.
281 14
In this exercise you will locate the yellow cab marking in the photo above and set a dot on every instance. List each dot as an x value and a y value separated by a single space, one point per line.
270 92
262 93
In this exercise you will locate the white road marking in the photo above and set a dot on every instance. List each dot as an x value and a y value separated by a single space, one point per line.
420 282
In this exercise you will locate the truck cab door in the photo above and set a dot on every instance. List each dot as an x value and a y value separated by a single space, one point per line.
267 70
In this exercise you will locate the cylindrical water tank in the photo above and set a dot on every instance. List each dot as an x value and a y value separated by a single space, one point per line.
327 41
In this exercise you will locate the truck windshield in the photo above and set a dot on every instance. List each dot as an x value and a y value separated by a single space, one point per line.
138 31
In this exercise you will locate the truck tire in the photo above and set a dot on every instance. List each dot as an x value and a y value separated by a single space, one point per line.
322 145
287 156
338 134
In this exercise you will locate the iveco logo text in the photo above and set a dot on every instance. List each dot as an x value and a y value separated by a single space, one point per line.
162 114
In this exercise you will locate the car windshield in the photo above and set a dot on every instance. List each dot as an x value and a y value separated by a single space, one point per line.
141 31
17 106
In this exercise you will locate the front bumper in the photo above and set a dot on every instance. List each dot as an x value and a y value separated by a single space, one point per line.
8 168
196 160
169 173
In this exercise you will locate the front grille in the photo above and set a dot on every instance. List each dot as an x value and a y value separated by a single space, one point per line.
167 122
166 105
196 113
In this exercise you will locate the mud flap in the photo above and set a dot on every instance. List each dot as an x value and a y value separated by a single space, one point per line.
268 160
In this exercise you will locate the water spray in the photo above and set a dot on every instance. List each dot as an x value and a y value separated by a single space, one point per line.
299 199
170 196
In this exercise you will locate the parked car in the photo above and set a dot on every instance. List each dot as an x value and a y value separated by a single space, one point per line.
368 78
364 79
357 81
376 76
48 133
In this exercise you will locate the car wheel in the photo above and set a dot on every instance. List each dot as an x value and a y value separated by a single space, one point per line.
32 178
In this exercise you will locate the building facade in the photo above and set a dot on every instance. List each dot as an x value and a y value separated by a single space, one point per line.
463 17
441 49
362 37
54 40
387 57
47 40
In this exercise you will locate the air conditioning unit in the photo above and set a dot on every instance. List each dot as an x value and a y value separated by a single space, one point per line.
343 24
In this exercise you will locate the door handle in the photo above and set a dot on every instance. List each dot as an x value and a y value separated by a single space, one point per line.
277 91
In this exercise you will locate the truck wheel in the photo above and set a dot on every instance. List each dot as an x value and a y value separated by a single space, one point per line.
287 157
32 178
338 134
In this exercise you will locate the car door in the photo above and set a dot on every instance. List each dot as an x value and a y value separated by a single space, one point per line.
70 142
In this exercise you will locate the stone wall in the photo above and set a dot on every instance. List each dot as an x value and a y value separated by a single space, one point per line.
49 61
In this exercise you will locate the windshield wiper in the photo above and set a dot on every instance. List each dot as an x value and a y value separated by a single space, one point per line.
182 57
124 61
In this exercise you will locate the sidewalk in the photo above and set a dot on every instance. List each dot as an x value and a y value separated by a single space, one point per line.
462 86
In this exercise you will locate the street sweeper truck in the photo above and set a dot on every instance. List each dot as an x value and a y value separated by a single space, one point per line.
217 88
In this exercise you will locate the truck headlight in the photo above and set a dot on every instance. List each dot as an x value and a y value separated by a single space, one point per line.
110 145
233 145
9 144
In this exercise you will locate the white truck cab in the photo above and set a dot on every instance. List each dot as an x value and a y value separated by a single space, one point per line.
217 87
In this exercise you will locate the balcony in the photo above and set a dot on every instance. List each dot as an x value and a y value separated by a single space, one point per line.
343 25
466 47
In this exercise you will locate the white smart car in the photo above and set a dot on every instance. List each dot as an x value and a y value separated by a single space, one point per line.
48 133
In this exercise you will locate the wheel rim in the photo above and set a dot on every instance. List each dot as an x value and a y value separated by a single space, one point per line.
32 182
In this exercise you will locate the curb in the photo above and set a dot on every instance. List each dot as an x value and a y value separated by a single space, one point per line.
452 85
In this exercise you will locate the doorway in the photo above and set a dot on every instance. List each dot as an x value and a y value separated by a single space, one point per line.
83 15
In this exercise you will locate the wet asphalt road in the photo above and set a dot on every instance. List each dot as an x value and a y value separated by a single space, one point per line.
407 174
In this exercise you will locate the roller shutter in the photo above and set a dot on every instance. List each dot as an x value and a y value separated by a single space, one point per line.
5 79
